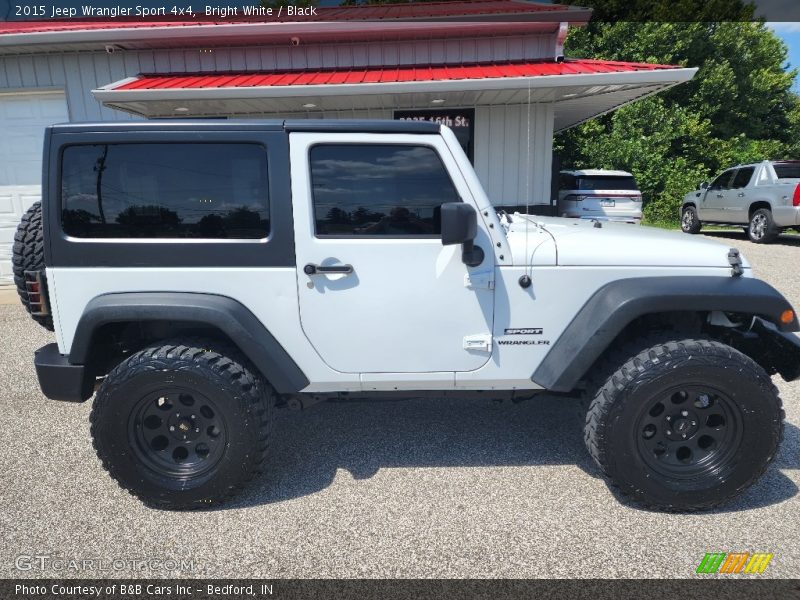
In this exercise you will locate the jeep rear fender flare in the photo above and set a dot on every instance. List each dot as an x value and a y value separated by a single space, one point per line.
618 303
220 312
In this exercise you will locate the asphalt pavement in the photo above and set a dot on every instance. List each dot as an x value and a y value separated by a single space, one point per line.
450 488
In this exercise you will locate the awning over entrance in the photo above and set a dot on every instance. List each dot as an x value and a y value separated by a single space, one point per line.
579 89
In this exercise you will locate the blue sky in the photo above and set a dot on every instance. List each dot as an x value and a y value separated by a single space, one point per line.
789 32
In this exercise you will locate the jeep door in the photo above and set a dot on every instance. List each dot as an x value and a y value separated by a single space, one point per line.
379 293
712 208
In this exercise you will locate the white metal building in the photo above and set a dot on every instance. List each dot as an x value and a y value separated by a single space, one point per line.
493 69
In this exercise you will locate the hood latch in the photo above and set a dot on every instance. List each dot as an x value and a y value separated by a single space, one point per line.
735 261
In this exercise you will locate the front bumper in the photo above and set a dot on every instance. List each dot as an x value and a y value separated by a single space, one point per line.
779 351
60 380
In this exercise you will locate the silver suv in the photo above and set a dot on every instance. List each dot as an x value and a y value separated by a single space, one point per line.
600 195
764 198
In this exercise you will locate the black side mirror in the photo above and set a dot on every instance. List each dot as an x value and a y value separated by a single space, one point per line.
704 185
460 226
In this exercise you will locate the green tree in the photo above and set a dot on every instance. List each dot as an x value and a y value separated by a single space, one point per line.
738 108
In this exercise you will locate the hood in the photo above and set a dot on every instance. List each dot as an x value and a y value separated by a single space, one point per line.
574 242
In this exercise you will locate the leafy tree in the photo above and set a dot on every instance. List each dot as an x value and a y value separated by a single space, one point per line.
738 108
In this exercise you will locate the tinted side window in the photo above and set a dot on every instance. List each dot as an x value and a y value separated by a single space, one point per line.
391 190
175 190
743 177
723 181
787 170
567 182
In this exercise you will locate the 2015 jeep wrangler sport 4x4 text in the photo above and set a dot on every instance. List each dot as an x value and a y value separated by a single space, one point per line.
198 274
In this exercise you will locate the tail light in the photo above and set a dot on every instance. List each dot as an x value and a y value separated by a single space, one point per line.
574 198
796 199
37 297
636 198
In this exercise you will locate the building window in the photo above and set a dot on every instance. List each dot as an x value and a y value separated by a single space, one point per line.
379 190
460 120
173 190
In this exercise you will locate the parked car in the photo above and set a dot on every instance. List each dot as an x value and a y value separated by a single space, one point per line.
599 195
196 290
765 197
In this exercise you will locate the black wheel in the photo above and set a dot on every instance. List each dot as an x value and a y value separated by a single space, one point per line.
28 255
183 425
762 228
685 425
690 223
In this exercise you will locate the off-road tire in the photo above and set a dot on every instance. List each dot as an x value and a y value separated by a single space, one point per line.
28 255
690 222
762 228
241 405
616 440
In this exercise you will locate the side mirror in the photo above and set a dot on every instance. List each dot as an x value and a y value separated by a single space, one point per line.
704 185
460 226
459 223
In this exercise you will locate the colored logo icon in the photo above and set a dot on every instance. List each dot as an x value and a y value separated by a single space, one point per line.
734 562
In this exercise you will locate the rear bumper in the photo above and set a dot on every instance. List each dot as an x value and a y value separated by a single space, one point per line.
60 380
786 216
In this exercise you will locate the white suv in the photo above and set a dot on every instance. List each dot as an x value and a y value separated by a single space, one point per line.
599 195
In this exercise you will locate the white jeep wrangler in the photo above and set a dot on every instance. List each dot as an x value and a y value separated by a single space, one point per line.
198 274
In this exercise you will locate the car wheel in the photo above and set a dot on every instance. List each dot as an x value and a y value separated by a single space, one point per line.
690 223
183 425
762 229
684 425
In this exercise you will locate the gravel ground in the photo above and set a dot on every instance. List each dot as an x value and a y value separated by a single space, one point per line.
391 489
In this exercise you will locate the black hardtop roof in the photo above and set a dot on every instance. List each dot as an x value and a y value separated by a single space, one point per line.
309 125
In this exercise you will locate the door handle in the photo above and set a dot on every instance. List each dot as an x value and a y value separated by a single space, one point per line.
312 269
740 194
720 195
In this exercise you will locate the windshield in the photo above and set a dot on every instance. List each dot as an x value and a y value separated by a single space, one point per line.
606 182
787 170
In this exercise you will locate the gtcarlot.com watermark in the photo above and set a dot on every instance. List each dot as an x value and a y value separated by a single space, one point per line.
56 563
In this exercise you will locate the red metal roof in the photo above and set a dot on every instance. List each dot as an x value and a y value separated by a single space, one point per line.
384 75
385 12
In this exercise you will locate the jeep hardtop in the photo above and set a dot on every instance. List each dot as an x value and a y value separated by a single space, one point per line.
200 274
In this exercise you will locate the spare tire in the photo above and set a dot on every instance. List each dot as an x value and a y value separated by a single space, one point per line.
29 256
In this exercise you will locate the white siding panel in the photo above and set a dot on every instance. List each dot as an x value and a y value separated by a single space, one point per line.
505 167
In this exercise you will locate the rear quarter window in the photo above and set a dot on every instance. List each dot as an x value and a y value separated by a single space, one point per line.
787 170
165 190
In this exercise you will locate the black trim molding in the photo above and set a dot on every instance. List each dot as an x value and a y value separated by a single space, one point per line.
618 303
226 314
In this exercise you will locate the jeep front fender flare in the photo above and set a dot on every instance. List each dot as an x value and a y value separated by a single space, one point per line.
618 303
223 313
